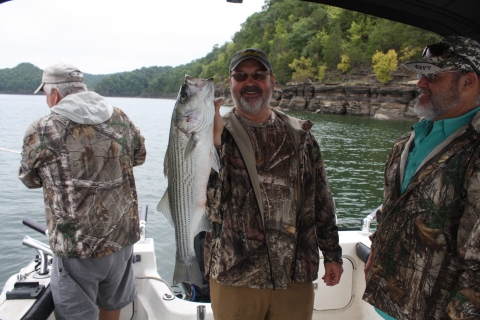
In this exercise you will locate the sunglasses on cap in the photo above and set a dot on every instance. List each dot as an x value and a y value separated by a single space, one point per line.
439 50
431 76
243 76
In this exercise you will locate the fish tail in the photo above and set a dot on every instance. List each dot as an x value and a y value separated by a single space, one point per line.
188 270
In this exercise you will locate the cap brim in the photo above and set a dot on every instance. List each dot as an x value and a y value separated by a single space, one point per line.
39 88
422 66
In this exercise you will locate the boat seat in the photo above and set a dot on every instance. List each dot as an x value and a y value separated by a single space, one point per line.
363 252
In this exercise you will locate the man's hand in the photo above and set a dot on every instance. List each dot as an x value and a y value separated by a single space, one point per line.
333 272
217 123
369 263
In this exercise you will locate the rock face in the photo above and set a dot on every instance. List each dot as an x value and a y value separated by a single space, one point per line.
391 102
395 101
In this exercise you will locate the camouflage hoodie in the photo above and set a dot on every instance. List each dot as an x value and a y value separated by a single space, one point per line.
427 244
239 252
83 154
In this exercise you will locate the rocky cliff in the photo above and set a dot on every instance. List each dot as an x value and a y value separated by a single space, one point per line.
391 102
369 98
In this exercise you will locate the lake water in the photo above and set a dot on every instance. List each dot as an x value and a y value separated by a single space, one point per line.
354 149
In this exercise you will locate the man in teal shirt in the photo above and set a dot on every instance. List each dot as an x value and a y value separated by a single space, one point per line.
425 258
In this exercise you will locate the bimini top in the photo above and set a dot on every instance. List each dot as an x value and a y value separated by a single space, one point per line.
445 17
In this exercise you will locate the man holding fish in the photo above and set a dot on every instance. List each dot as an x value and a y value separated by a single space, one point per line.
270 205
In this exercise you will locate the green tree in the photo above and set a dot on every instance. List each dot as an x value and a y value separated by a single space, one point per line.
321 72
344 65
303 69
301 35
332 51
409 52
384 64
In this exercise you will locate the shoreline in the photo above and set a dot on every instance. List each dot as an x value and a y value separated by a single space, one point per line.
392 101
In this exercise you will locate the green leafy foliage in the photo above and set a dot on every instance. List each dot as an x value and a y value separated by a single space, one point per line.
128 84
321 72
384 64
289 31
25 79
344 65
304 70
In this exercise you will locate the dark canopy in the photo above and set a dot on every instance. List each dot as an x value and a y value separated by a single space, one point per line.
445 17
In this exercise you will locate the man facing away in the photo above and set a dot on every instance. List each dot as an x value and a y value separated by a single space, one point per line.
270 205
83 154
425 259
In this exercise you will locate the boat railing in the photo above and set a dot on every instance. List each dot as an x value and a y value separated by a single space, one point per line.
43 250
368 220
143 222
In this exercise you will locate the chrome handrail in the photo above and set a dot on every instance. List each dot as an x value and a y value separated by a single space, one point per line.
43 251
368 220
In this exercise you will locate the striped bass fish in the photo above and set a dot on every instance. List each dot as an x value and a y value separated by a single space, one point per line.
188 161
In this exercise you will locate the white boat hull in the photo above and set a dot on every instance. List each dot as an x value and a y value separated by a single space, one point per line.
155 299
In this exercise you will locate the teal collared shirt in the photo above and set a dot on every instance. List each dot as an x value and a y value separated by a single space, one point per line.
428 135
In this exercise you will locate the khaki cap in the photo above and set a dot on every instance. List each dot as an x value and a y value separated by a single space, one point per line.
60 73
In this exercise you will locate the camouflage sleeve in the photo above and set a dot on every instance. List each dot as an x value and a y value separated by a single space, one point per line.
140 152
465 299
138 141
215 187
30 152
325 218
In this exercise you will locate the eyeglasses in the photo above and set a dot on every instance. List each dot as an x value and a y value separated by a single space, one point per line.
439 50
243 76
431 76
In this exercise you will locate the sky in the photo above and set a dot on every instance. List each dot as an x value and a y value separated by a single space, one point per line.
108 36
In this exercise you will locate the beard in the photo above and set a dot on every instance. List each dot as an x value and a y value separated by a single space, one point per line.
437 104
252 105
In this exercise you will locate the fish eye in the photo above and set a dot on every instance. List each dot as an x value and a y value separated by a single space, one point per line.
184 93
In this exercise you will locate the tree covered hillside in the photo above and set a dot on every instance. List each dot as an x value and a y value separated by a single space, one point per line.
304 41
25 79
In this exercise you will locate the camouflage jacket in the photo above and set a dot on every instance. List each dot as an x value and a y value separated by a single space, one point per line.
86 171
239 252
427 243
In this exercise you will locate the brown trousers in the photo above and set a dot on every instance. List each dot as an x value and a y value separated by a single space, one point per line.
235 303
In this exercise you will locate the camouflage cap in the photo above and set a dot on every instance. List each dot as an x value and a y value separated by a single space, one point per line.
452 53
251 53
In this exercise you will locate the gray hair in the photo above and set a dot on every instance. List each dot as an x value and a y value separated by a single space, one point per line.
65 89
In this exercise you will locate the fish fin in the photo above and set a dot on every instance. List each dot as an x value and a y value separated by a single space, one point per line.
164 207
215 160
188 270
192 143
204 224
165 164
